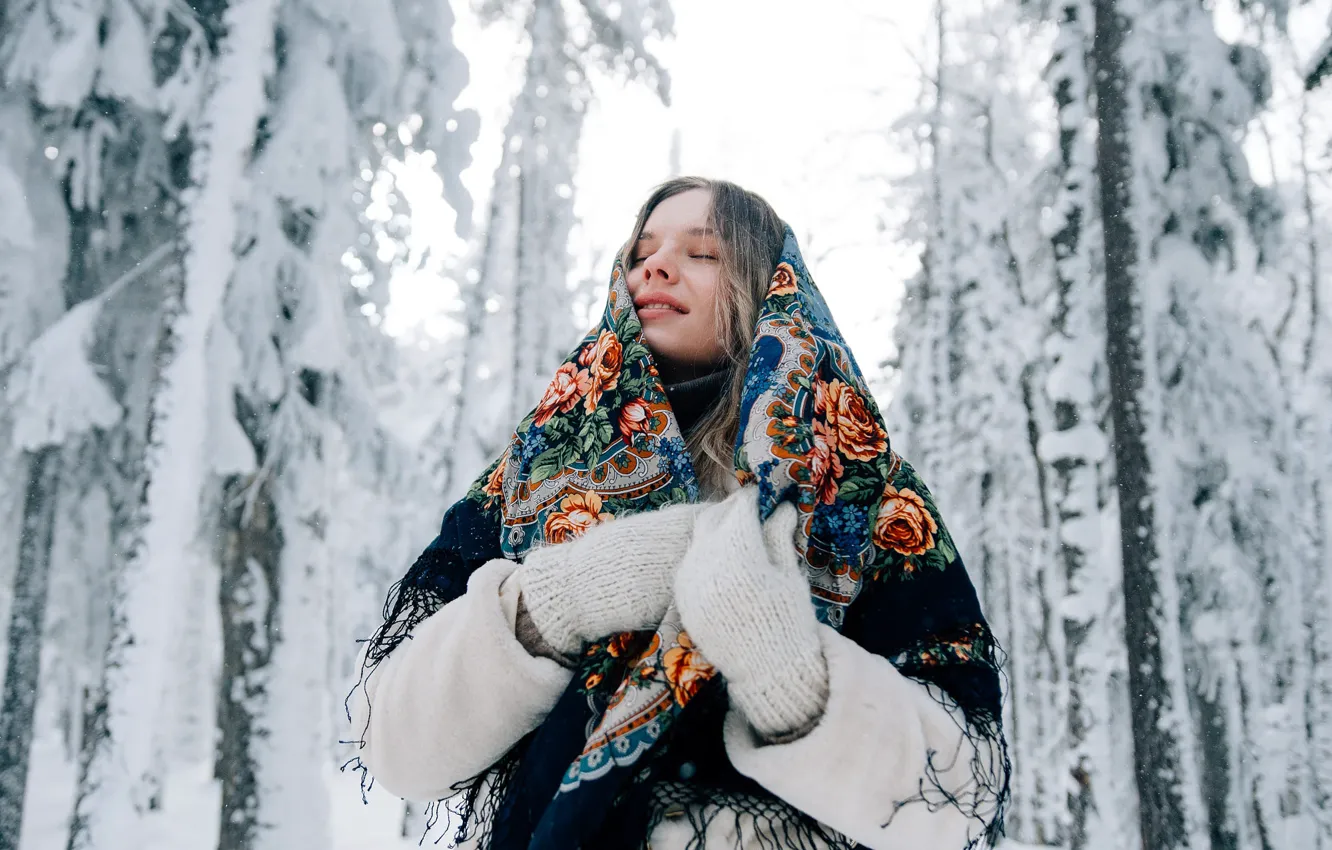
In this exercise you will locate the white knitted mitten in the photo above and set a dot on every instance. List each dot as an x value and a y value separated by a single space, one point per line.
744 600
617 577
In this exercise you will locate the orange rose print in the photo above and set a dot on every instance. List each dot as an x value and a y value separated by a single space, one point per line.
592 681
495 484
686 669
635 417
853 430
825 466
783 280
652 648
603 357
904 524
603 360
568 386
577 513
620 644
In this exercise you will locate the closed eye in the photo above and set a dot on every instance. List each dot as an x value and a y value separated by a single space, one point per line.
703 256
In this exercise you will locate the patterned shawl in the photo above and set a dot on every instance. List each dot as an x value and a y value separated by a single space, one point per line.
639 726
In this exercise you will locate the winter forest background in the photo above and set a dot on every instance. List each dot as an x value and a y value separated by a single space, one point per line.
277 277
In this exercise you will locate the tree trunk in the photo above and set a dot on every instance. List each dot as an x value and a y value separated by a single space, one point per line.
1315 259
1317 660
1151 630
274 727
116 781
294 746
1318 697
411 814
1218 778
26 617
1036 661
929 437
525 311
249 560
109 789
272 720
1073 449
544 130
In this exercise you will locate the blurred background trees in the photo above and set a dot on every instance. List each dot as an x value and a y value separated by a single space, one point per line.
278 276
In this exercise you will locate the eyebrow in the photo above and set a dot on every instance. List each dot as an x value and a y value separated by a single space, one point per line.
693 231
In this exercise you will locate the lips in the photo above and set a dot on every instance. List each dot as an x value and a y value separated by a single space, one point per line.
660 302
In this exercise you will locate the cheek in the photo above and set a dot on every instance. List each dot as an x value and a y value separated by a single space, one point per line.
634 279
706 322
707 301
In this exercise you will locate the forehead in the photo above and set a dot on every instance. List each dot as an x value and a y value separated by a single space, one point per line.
687 211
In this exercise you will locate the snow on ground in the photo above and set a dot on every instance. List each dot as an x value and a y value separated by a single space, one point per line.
189 820
373 825
50 795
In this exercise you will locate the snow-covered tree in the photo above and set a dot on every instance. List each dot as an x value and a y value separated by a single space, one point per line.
78 79
301 363
1244 546
196 190
977 338
1074 448
1288 308
1166 776
118 778
1302 337
1214 546
32 263
57 399
517 316
1216 534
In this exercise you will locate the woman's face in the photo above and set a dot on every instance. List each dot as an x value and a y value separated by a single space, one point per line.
674 274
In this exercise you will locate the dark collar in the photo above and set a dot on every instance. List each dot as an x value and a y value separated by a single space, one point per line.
692 399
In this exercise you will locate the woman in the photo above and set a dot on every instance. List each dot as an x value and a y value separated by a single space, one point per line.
699 602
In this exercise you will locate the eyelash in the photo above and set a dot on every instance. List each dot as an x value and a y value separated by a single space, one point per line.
633 263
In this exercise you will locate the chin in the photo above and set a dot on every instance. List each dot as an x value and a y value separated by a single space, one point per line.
660 348
670 356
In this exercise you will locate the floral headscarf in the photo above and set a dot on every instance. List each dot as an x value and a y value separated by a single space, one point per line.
602 441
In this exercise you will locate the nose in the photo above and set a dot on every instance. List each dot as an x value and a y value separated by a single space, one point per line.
660 267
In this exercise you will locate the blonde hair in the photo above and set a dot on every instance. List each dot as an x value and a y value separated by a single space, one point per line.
751 236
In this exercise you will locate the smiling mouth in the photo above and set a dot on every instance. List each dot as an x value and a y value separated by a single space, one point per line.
660 306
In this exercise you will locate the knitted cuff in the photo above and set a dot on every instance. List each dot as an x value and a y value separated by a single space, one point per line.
784 705
529 635
555 613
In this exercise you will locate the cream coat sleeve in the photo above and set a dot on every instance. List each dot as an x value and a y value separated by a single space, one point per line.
867 753
452 699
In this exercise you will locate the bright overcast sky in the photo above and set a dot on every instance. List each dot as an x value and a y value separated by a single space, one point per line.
786 97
